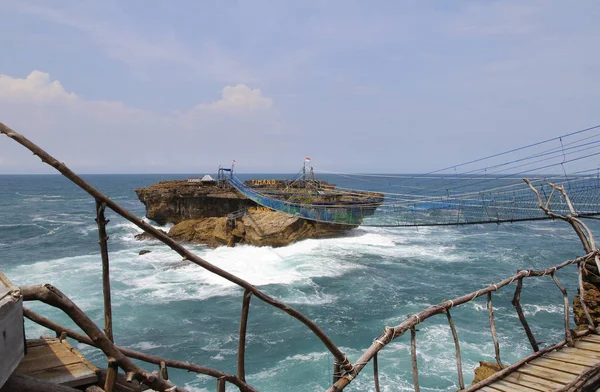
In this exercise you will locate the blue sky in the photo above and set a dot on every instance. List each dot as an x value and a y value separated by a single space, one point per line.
386 86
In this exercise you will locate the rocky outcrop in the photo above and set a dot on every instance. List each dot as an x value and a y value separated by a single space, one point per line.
200 231
592 300
199 211
484 370
257 227
175 201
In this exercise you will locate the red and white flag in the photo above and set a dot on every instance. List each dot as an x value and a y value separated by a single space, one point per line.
307 159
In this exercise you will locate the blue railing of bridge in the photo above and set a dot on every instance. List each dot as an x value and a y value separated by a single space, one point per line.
343 215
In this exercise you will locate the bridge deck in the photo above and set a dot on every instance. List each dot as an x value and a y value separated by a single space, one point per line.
56 361
553 370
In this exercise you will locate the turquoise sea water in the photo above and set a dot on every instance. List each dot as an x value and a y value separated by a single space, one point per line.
352 286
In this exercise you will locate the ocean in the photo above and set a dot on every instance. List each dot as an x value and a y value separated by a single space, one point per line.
352 286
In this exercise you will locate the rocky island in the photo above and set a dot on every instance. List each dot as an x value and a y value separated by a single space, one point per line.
214 213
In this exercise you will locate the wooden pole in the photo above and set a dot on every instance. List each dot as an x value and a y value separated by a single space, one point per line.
164 373
392 333
54 297
23 383
502 373
41 320
461 380
241 367
516 301
177 247
591 375
101 221
413 354
337 371
591 323
376 373
220 384
493 329
568 336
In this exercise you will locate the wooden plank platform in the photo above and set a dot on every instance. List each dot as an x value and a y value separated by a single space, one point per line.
57 361
12 340
553 370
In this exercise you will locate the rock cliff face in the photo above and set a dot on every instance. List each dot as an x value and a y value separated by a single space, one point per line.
200 211
592 300
260 228
175 201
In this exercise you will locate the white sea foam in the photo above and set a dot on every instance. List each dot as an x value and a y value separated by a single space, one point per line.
146 345
40 196
307 357
62 222
162 276
21 225
289 363
532 309
296 264
126 231
88 229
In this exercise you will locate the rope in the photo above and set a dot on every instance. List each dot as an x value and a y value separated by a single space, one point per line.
455 195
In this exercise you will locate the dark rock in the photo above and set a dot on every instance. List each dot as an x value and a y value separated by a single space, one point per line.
144 251
175 201
147 236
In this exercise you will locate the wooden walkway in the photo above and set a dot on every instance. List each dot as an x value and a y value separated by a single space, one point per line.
58 362
553 370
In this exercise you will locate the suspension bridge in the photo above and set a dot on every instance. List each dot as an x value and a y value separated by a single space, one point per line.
485 190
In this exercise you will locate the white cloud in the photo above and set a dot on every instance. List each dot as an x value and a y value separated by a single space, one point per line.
101 136
239 98
35 87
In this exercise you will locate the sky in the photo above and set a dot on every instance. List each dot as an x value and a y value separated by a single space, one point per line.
382 87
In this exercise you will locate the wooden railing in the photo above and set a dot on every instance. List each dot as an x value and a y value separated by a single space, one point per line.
444 308
118 357
344 371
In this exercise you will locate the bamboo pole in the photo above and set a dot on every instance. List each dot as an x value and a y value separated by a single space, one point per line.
177 247
41 320
516 301
101 221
